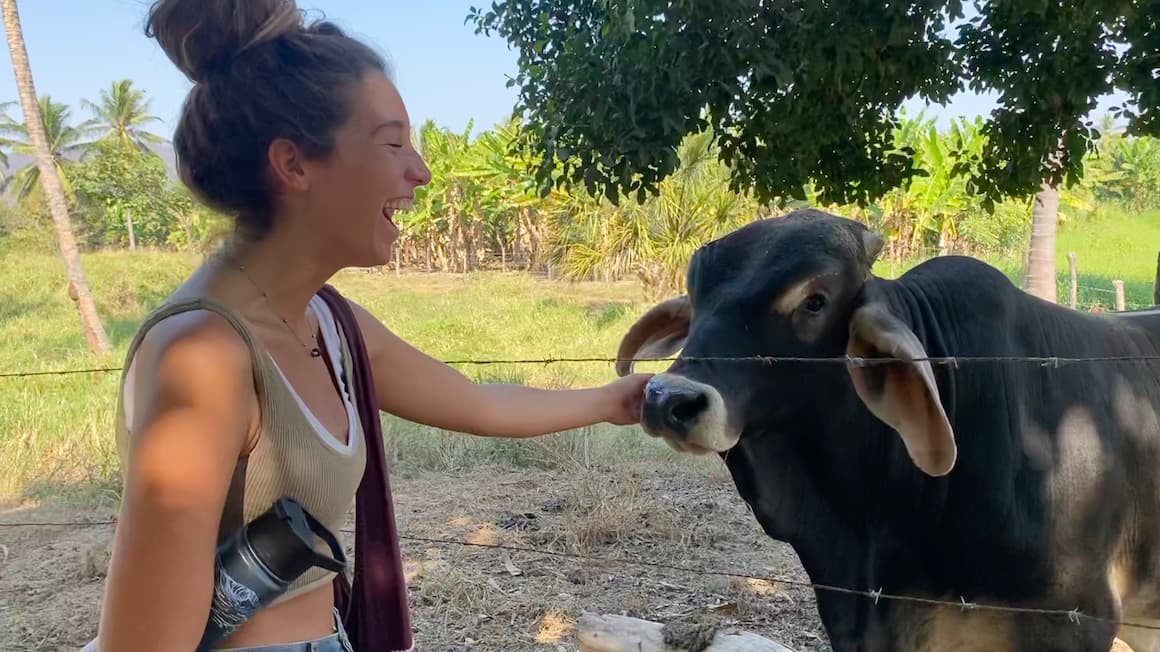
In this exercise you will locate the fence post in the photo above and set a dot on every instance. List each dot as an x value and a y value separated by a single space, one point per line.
1074 282
1119 286
1156 284
398 261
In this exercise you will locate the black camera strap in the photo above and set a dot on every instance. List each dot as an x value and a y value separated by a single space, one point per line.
233 513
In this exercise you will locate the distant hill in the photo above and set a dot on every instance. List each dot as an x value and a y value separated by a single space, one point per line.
163 149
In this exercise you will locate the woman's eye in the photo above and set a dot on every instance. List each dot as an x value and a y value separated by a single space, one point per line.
814 303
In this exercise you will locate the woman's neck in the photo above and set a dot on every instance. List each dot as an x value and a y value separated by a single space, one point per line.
282 271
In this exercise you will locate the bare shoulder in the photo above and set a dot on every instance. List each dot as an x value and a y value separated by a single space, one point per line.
193 341
194 363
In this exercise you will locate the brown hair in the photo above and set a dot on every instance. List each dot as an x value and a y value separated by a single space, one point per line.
260 73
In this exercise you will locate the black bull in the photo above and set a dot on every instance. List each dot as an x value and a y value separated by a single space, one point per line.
1008 483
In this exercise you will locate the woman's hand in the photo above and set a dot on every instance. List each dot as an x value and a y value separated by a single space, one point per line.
625 397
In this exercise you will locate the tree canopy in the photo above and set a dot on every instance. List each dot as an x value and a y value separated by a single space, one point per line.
798 92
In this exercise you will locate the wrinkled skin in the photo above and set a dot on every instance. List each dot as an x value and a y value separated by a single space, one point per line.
971 482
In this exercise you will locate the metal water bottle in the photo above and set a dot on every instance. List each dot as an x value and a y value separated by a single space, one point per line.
259 562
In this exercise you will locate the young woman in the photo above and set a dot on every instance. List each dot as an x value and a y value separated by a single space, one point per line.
297 132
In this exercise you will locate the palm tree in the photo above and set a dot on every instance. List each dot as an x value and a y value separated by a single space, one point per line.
62 139
98 340
122 113
1040 280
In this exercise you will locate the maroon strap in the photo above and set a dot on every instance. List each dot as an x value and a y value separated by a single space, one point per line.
374 607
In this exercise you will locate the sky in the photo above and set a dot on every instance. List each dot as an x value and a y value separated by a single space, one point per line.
445 72
77 48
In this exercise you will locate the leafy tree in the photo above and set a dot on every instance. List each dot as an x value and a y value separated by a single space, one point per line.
479 202
1135 163
121 114
656 239
586 237
197 227
442 213
62 139
46 166
123 191
806 93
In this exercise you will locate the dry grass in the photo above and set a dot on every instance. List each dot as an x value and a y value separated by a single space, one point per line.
469 598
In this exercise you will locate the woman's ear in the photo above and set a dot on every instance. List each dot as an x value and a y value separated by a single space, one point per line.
286 166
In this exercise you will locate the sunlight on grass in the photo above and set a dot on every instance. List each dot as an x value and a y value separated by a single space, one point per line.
56 437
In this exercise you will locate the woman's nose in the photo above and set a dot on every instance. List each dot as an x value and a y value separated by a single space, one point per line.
419 174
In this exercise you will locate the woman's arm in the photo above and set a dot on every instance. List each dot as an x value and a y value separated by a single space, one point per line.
193 416
412 385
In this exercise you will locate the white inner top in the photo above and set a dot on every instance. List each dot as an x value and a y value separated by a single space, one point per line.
329 329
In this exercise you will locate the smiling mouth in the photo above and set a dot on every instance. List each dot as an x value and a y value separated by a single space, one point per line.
394 206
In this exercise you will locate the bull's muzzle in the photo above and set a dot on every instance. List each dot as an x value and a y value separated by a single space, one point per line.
687 414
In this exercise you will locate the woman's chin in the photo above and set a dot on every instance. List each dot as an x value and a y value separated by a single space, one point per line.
376 250
384 250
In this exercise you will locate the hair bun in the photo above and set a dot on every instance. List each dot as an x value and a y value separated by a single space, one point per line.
200 36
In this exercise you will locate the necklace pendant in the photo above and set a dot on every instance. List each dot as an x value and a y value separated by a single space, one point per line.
315 353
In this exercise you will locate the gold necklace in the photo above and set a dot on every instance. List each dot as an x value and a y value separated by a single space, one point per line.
314 351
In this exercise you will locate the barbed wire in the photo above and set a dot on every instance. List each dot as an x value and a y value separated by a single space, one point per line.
58 372
1092 289
857 361
1072 615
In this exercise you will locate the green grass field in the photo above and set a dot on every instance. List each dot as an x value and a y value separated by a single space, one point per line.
55 431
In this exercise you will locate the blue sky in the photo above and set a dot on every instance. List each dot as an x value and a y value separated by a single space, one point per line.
444 71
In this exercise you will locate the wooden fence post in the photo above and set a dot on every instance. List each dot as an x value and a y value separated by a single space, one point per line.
1071 269
1156 284
1119 286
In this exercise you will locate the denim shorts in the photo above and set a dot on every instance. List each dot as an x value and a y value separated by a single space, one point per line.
335 642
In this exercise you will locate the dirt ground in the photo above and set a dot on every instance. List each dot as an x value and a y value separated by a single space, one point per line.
474 598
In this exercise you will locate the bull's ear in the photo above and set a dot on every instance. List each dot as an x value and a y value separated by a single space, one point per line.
659 332
902 394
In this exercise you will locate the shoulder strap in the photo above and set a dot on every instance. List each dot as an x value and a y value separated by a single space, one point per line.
374 605
232 515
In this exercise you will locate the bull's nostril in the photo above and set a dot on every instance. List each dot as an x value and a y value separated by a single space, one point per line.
688 409
673 408
681 409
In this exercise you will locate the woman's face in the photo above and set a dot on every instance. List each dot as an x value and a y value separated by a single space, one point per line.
353 194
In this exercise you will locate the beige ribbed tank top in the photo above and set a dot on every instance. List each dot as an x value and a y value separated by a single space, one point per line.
292 456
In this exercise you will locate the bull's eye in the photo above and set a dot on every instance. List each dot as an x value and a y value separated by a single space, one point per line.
814 303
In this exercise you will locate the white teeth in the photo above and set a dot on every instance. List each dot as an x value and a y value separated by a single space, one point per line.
398 205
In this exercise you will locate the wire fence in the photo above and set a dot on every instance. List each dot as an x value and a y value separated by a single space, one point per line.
1117 298
1074 616
857 361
